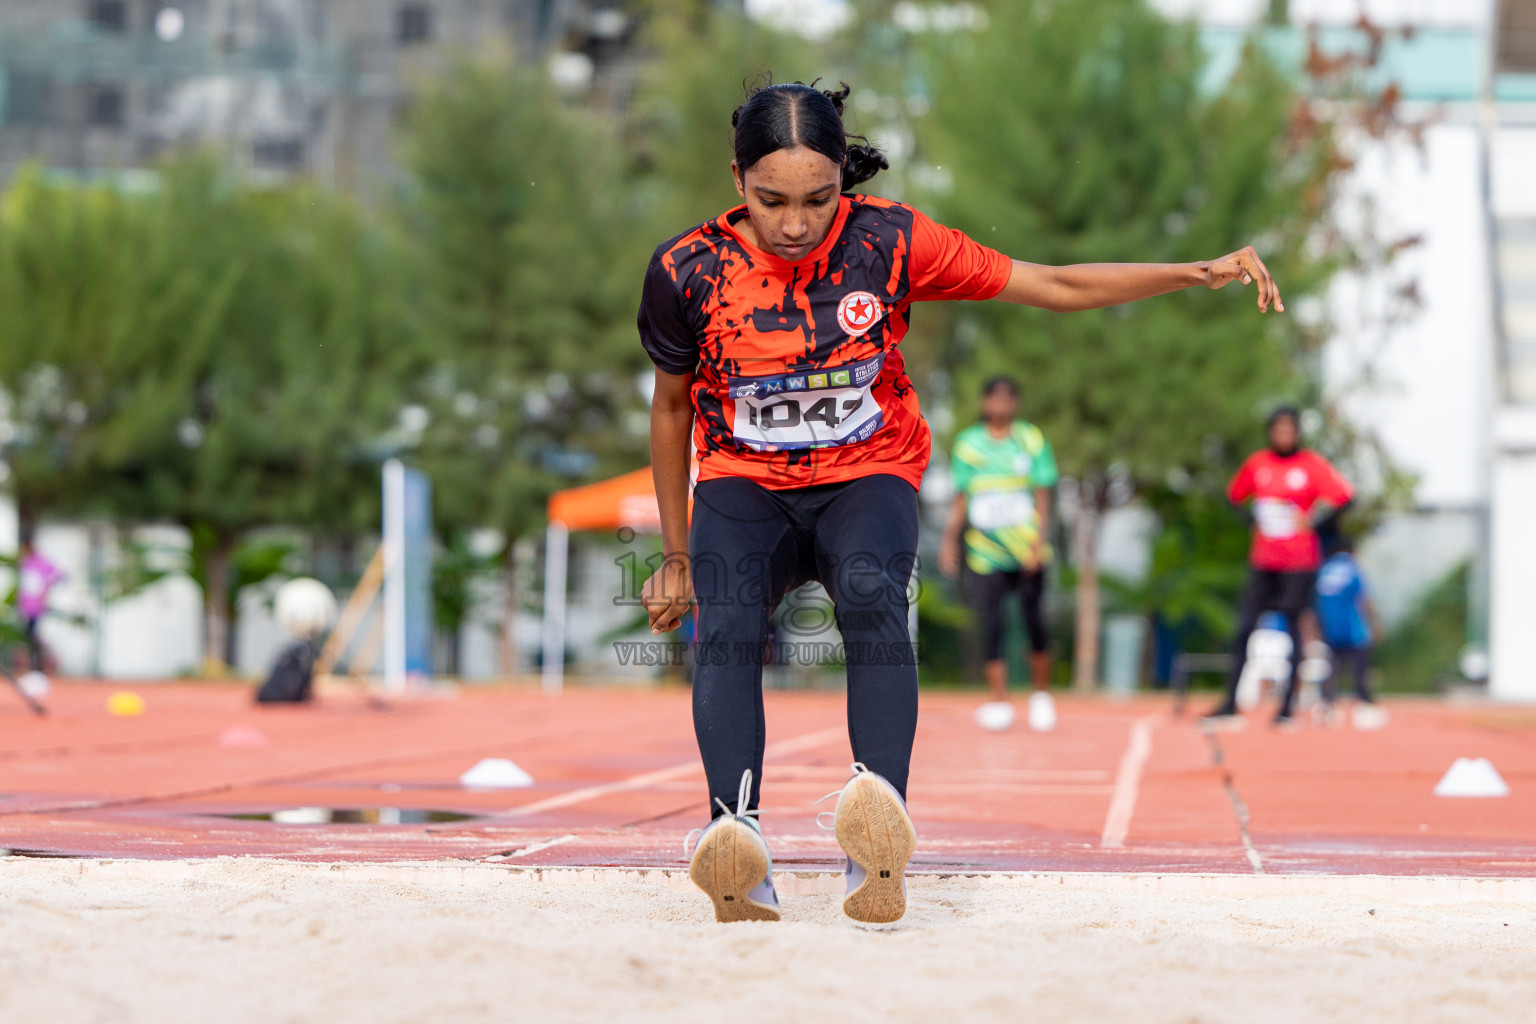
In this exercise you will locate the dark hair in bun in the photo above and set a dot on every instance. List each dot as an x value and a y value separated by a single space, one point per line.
776 117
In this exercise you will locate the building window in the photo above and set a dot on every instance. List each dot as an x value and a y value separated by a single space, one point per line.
413 24
108 15
283 153
28 98
105 106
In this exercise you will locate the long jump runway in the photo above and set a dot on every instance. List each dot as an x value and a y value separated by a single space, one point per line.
1122 787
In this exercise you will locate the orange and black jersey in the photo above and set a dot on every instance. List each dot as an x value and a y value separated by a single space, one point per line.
799 380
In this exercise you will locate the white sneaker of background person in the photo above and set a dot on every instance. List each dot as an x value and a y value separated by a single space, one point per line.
34 685
731 862
1369 717
995 716
1042 711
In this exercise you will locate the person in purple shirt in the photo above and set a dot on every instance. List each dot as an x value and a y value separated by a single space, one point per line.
37 577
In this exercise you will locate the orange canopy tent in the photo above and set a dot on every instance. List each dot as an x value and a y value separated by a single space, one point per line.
627 501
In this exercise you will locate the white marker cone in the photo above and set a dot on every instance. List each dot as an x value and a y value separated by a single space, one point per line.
495 773
1472 777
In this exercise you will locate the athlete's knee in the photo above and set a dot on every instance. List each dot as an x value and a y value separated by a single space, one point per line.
864 580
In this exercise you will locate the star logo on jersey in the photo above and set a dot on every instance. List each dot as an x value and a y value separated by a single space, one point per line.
1296 478
858 312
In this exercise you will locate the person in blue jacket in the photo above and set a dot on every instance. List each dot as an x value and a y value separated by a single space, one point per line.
1347 620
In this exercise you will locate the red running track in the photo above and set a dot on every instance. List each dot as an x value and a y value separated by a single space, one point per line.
1119 786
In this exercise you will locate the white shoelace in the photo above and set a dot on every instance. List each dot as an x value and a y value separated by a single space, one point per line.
856 768
743 794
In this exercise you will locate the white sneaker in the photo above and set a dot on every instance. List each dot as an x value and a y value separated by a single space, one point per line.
732 865
1369 717
995 716
34 685
1042 711
875 832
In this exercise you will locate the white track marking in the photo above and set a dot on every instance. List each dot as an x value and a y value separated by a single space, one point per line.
1128 783
678 771
536 847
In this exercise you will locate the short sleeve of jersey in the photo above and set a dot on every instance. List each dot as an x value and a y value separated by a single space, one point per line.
1331 486
1043 472
1241 487
665 331
946 264
965 461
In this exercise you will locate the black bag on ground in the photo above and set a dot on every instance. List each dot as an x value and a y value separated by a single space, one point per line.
291 676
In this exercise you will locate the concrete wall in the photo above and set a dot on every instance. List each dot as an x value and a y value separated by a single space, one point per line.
1411 552
1421 379
1513 619
155 633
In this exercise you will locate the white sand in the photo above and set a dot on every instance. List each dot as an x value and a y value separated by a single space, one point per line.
253 940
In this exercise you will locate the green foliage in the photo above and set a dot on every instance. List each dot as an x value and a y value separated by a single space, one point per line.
1123 158
1422 652
228 358
455 569
1199 559
206 354
680 139
530 278
944 624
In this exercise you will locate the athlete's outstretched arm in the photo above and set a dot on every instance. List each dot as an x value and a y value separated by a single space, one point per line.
1096 285
667 593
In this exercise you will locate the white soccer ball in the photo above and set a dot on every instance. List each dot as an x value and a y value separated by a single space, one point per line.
305 607
995 716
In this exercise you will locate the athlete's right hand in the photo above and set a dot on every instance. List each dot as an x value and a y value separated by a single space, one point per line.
1245 265
667 595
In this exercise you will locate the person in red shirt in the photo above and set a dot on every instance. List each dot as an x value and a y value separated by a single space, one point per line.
1295 493
775 330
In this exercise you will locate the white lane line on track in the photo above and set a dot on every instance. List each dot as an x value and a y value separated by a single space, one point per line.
536 847
1122 805
809 741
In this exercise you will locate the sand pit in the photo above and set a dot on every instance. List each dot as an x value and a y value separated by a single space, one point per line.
264 940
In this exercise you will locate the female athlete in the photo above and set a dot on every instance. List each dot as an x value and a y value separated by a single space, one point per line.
775 330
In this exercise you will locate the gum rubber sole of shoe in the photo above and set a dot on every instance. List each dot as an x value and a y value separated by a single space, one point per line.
875 832
729 863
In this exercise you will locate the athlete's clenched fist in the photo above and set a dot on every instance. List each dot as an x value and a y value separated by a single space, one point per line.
667 595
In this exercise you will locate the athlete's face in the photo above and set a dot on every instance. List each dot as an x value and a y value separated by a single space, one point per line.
999 406
791 199
1283 435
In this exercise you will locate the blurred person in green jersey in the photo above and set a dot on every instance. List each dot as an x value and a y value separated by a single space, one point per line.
1003 470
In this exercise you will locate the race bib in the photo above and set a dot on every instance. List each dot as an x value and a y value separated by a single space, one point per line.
1276 518
820 409
998 510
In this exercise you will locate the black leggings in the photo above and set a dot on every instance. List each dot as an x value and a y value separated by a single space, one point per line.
991 588
1359 660
34 643
1289 593
750 546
